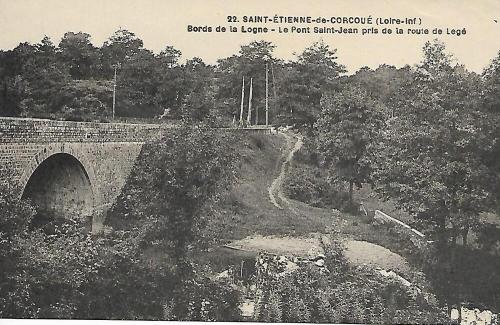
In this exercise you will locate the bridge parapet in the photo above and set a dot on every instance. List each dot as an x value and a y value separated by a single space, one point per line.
26 130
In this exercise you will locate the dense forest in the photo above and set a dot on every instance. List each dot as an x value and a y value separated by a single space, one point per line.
74 80
425 137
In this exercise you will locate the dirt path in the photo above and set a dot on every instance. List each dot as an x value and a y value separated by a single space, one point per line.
357 252
276 189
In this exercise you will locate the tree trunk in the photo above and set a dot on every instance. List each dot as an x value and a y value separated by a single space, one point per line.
465 233
454 235
453 246
351 188
442 239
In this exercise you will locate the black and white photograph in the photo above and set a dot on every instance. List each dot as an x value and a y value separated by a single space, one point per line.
264 161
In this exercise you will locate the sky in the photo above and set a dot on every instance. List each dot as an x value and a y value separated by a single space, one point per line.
164 22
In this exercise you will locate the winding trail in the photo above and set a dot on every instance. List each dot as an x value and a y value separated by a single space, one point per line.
358 252
276 189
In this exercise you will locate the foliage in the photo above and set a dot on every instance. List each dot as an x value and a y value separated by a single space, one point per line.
203 299
309 185
347 129
342 295
308 182
69 274
83 100
432 162
383 83
437 158
249 63
306 81
490 107
78 53
119 48
32 77
140 269
167 201
492 84
14 224
45 81
428 160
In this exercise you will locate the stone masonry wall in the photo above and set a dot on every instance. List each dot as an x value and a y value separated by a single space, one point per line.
20 130
107 152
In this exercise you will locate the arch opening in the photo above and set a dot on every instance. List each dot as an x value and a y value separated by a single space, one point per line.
60 187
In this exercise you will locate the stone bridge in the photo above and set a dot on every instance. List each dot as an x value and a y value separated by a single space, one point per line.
75 168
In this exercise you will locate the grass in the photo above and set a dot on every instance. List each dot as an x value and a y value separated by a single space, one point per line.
248 211
371 202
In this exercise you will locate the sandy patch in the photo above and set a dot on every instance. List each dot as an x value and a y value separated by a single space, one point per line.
297 246
362 252
357 252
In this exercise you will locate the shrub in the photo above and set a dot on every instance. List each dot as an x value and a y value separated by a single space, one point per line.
306 181
202 299
172 187
311 185
342 295
139 270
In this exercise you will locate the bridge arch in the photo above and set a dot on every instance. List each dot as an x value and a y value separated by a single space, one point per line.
61 181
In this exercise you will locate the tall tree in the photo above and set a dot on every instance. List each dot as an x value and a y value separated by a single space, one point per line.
137 85
347 129
171 90
250 62
198 102
118 49
383 83
32 79
76 50
490 103
429 161
312 75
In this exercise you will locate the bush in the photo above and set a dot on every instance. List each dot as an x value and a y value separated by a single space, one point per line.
140 269
72 275
307 182
202 299
311 185
172 188
15 219
342 295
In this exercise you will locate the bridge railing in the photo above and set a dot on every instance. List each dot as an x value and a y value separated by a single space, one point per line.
19 130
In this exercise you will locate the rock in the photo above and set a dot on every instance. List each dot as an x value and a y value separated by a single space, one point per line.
320 262
290 267
282 259
315 253
223 275
247 308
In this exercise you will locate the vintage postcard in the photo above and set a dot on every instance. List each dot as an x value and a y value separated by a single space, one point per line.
278 161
